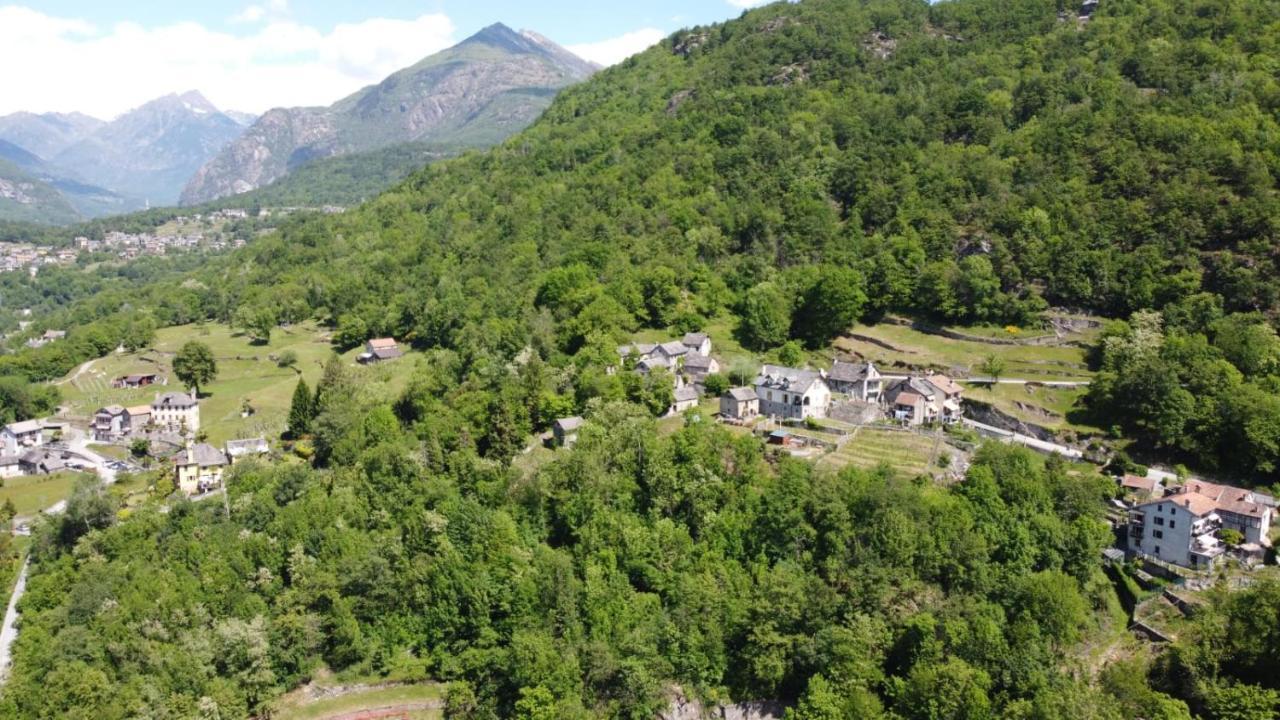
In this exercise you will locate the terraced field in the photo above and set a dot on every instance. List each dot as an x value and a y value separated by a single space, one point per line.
897 349
906 453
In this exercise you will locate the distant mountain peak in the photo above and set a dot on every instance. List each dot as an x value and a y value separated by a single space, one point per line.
477 93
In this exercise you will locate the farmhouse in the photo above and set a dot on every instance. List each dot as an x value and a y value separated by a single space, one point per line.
18 437
135 381
139 417
792 394
1184 527
565 430
697 342
10 466
740 404
860 381
380 350
199 469
176 412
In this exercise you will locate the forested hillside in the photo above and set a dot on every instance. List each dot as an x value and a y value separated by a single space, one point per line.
803 167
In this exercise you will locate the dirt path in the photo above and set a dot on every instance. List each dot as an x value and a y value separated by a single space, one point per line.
84 368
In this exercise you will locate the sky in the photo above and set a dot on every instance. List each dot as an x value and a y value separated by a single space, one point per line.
105 58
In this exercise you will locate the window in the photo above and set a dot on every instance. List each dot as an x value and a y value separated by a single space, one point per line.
1173 511
1173 524
1160 521
1157 534
1157 551
1159 508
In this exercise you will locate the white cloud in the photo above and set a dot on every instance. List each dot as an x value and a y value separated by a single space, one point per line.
615 50
65 64
273 9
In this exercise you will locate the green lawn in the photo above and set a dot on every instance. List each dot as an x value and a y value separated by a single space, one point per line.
912 348
906 453
1048 407
34 493
297 707
245 372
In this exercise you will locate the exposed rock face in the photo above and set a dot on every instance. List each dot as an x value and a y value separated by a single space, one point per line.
685 708
477 93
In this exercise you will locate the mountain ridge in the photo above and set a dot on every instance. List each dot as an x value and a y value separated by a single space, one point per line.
476 93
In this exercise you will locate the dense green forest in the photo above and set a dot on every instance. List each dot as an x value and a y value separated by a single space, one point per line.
803 167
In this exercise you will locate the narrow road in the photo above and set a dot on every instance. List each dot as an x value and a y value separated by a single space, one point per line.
1026 440
1005 381
77 443
9 631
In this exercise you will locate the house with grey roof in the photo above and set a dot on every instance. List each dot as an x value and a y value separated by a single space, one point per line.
860 381
380 350
685 398
697 367
20 436
199 468
698 343
176 412
110 423
565 430
791 393
740 404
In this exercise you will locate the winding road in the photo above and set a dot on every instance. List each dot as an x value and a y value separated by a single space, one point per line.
77 444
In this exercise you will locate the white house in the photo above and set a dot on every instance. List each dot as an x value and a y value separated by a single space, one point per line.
21 436
1184 527
176 412
792 394
110 423
238 450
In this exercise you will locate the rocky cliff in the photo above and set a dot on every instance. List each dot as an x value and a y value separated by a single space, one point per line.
474 94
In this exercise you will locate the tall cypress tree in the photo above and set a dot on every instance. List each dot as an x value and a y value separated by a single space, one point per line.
302 410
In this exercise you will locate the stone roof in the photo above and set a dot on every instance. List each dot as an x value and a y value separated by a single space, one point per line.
787 379
851 372
743 394
382 343
174 400
570 423
249 446
696 360
694 340
202 454
674 349
387 353
686 394
111 410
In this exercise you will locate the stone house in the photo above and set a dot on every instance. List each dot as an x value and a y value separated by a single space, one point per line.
860 381
565 430
380 350
685 398
110 423
740 404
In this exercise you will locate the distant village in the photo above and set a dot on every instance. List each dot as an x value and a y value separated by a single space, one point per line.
190 233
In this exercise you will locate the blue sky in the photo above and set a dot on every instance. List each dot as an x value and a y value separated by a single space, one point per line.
104 58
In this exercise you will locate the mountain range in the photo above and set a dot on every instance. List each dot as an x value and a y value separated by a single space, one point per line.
475 94
100 168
